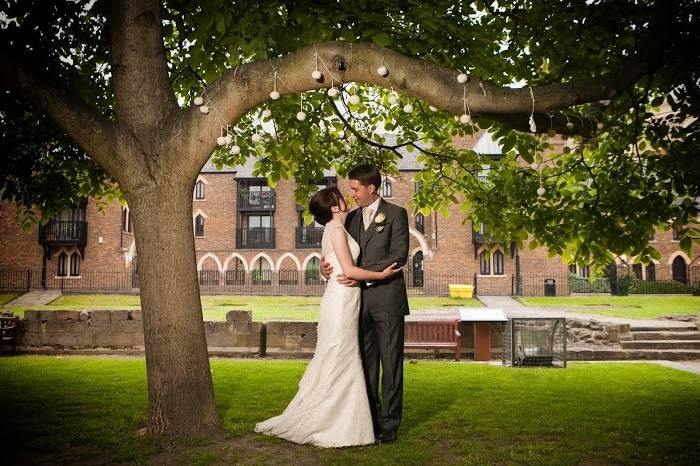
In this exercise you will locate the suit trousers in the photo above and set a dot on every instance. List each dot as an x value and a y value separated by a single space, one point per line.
382 340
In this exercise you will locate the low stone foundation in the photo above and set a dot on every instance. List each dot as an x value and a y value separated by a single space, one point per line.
120 331
596 334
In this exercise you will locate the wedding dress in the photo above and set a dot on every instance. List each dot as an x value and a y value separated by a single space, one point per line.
331 407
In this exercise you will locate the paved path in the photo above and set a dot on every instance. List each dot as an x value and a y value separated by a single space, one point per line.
35 298
514 308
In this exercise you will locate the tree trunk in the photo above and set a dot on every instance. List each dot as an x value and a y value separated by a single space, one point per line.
180 389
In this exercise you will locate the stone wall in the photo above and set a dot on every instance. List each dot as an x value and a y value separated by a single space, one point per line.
121 331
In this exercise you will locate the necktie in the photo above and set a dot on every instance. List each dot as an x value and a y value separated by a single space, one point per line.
367 216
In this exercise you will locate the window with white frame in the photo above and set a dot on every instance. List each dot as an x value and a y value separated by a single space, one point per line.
420 223
62 265
498 268
75 265
199 190
485 263
386 188
127 227
199 225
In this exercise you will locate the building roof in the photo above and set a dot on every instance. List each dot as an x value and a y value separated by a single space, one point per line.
408 161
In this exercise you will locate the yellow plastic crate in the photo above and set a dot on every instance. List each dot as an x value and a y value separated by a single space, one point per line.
461 291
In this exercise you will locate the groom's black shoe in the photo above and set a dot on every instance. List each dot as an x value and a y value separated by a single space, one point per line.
385 437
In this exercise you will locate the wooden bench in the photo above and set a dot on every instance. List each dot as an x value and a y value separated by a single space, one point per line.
9 328
433 334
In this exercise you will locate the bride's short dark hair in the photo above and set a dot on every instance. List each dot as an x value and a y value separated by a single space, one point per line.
321 203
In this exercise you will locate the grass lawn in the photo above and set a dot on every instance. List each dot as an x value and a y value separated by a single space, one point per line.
634 307
264 308
77 410
7 297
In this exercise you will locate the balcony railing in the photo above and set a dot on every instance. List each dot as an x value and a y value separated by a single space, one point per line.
256 200
255 238
68 232
308 237
480 238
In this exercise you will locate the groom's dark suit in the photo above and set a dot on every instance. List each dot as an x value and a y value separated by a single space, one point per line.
384 305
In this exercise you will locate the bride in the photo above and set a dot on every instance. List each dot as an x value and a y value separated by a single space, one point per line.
331 408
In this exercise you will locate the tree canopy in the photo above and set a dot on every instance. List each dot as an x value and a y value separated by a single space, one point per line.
629 168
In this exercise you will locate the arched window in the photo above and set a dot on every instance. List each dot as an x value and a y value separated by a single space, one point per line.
498 262
74 265
420 220
651 272
418 269
386 188
62 264
126 220
312 274
637 271
261 272
572 269
199 225
586 271
679 270
485 261
199 190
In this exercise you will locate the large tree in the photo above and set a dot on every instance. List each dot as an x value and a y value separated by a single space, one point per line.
120 80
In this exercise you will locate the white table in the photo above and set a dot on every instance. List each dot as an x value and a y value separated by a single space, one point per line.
482 319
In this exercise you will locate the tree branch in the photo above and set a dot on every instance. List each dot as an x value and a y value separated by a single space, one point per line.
81 122
239 90
144 94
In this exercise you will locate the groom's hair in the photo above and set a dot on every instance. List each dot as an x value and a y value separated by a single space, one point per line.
366 175
321 203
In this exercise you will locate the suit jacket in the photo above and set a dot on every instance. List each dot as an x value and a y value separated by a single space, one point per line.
379 249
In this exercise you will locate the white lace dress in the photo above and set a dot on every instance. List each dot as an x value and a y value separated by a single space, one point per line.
331 407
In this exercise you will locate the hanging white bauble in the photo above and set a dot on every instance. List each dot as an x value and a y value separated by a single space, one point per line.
465 119
274 95
432 109
198 100
316 75
408 108
256 137
228 140
301 116
382 71
540 191
332 92
534 165
393 99
204 109
354 99
569 125
599 125
462 78
267 113
221 140
235 150
551 133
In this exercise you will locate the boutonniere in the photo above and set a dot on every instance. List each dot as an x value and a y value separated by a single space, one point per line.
379 221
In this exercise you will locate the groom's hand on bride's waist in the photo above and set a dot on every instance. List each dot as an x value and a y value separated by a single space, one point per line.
326 269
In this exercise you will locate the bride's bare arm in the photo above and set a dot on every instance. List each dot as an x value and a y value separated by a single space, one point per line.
350 270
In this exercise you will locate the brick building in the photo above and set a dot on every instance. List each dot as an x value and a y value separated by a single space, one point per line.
248 234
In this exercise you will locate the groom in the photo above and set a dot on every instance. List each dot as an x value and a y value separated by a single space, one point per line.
381 230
